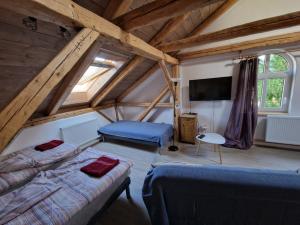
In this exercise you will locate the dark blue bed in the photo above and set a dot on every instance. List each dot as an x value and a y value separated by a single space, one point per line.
158 134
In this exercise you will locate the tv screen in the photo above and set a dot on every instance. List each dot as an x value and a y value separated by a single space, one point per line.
210 89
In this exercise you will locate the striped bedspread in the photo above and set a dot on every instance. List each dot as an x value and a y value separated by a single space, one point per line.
73 190
23 165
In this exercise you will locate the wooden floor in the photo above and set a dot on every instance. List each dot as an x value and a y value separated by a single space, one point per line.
134 213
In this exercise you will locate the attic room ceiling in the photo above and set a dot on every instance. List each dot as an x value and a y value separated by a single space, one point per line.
47 41
29 43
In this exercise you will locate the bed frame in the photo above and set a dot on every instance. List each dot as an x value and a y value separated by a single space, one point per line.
104 136
123 187
149 143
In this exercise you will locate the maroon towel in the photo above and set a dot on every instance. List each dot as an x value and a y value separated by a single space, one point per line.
48 145
100 167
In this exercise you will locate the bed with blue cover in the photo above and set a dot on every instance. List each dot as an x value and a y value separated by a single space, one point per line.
158 134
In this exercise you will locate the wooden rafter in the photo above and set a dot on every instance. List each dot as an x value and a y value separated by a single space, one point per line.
214 16
167 29
105 116
158 10
137 60
119 77
145 76
47 119
246 45
145 104
67 114
116 8
167 77
173 24
116 112
152 105
71 14
19 110
93 77
104 64
72 79
255 27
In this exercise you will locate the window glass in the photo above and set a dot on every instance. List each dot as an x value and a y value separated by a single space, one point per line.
278 64
274 93
261 64
259 92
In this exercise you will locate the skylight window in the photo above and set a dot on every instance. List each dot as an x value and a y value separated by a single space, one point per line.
88 77
94 78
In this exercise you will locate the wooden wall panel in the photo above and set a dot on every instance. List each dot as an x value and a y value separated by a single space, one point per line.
23 52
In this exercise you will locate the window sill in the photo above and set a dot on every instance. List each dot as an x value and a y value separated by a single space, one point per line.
264 114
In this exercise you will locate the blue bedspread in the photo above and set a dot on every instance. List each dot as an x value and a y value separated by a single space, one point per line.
207 195
159 133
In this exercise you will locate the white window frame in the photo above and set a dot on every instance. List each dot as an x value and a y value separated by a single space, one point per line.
288 80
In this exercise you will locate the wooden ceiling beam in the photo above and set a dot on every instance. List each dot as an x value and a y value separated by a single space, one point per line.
71 14
259 26
72 79
105 116
63 115
159 10
20 109
137 60
125 70
169 28
153 104
213 17
167 77
140 80
246 45
145 104
116 8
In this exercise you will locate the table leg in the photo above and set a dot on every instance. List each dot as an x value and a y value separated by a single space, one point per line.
220 153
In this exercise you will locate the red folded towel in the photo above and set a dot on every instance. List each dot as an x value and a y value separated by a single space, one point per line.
100 167
48 145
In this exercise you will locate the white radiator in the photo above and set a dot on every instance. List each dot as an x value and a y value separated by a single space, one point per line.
81 134
283 129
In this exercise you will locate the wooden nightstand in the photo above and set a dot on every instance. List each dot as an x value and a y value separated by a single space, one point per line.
188 128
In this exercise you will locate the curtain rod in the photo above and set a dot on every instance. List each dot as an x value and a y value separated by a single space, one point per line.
245 57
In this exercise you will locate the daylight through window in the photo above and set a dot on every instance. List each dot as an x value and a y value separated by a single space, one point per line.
274 82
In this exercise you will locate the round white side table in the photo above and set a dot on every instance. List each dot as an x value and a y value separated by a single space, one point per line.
212 138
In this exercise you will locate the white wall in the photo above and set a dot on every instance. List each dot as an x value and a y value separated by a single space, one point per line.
245 11
212 114
215 115
146 92
42 133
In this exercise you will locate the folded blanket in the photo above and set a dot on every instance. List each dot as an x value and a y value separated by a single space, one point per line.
48 145
100 167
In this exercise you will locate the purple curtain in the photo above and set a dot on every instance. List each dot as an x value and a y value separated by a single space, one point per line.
243 117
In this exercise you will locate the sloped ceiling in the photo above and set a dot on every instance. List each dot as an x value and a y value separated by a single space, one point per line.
25 49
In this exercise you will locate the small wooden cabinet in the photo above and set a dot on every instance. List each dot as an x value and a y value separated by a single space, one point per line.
188 128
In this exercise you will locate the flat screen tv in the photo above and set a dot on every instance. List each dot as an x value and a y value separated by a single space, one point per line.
210 89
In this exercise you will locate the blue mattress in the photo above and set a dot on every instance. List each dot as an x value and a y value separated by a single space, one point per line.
158 133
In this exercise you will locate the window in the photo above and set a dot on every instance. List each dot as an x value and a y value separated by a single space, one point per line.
93 79
274 82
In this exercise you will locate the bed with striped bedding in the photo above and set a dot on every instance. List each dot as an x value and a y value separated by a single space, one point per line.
67 192
19 167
